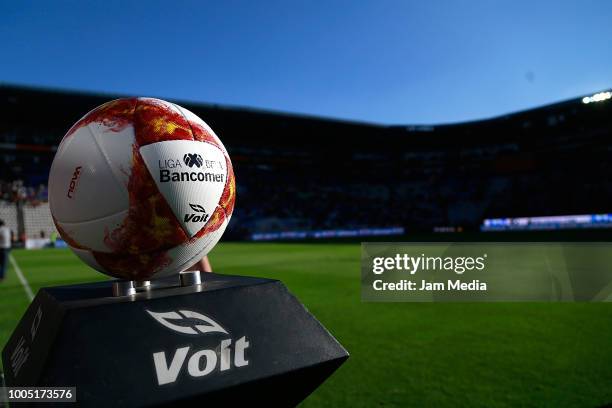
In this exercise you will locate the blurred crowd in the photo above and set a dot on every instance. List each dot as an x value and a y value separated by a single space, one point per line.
422 182
298 173
424 192
17 191
420 192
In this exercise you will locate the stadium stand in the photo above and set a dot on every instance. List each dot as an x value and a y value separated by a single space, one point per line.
8 213
37 221
298 173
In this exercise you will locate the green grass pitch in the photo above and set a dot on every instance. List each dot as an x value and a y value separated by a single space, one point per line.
402 354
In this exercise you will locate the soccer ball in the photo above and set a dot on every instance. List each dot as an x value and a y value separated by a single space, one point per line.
141 188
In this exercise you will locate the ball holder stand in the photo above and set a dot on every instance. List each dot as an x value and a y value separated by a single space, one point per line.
201 338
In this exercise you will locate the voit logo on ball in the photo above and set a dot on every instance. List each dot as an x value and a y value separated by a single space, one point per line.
200 363
199 216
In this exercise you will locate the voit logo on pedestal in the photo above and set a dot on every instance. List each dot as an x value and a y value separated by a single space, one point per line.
200 363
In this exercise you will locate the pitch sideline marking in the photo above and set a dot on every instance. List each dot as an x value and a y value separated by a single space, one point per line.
22 279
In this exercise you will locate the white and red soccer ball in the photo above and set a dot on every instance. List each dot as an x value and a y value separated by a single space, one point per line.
141 188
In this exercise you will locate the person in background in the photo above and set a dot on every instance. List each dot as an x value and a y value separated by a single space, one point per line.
5 248
203 265
53 238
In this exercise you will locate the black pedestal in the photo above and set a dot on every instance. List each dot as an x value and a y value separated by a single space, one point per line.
232 340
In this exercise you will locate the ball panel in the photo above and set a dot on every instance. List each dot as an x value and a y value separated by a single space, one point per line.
88 234
216 221
82 185
65 236
190 175
201 131
150 224
141 266
116 146
115 115
156 264
87 256
156 120
228 198
186 255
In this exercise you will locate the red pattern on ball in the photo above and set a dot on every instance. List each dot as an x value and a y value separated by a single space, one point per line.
116 115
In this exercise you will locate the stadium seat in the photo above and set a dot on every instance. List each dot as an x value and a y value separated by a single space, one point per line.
37 218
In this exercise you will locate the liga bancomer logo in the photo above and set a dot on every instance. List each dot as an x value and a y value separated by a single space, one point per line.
171 169
201 362
193 159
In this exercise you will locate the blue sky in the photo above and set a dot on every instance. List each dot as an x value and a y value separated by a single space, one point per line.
379 61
